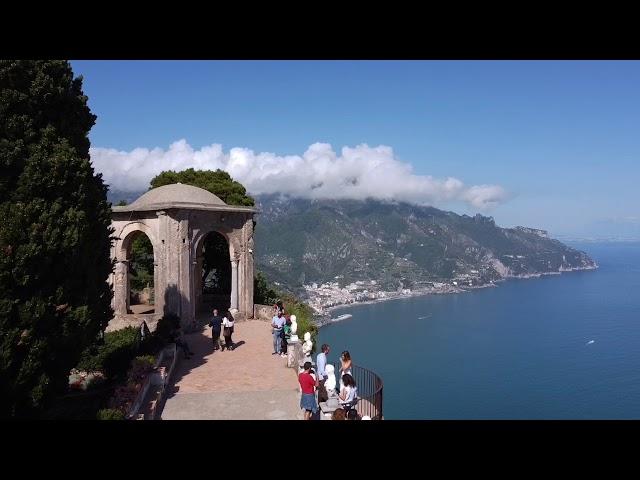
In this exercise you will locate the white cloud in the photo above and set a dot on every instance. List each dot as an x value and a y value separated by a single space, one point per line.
357 173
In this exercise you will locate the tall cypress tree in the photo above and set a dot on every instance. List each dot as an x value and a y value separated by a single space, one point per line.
54 233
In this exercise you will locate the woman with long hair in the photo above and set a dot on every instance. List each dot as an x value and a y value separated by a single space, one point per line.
348 393
345 366
308 385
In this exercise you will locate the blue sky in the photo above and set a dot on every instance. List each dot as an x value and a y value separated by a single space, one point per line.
560 138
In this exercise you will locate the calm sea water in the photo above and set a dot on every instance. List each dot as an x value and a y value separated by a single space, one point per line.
518 351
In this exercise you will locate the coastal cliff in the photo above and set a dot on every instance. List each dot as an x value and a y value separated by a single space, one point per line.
343 251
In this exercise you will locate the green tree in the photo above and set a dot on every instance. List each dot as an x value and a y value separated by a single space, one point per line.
217 182
263 292
54 235
141 265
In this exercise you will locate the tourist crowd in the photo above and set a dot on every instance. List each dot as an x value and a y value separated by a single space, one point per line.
318 385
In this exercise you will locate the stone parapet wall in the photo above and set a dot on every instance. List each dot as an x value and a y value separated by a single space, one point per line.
130 320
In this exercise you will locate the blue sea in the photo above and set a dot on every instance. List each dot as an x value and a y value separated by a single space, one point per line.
556 347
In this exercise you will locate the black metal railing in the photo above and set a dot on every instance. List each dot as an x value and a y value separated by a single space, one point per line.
369 391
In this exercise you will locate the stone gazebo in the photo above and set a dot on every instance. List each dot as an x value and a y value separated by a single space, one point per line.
176 218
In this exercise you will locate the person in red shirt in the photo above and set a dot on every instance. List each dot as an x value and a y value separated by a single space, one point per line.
308 384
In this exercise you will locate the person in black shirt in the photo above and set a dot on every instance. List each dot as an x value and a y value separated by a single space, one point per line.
216 327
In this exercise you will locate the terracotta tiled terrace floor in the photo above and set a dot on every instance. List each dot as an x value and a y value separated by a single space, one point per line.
247 383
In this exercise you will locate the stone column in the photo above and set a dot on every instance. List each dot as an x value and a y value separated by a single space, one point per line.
120 288
182 243
197 283
234 284
162 263
245 279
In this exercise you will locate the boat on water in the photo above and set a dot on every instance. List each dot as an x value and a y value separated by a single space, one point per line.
341 317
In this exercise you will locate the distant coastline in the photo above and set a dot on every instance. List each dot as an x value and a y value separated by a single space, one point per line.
325 315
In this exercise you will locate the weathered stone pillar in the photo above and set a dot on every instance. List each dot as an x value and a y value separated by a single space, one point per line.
197 284
183 249
120 288
234 284
160 272
245 274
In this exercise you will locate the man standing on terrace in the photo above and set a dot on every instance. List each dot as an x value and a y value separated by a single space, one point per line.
216 327
321 363
277 323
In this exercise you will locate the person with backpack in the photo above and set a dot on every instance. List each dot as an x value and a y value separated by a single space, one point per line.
286 335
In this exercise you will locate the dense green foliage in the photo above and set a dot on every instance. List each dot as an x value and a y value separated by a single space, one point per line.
263 292
217 182
140 367
54 235
141 264
304 317
112 356
110 414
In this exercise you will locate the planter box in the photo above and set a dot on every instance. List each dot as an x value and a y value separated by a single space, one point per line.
157 380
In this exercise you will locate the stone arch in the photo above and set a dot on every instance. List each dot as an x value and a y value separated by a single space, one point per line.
202 300
126 236
122 252
176 218
200 236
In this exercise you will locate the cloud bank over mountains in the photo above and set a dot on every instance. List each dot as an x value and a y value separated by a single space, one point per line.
356 173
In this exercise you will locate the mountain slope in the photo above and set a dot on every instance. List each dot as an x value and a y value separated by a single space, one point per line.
397 245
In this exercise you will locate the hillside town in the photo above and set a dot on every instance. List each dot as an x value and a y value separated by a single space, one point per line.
328 295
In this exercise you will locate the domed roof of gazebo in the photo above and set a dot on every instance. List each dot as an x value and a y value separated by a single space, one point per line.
178 195
177 192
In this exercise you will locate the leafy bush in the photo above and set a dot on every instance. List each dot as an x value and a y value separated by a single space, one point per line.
114 355
140 367
141 265
304 317
110 414
85 381
263 293
123 397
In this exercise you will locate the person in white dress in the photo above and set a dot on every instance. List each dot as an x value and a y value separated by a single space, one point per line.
345 366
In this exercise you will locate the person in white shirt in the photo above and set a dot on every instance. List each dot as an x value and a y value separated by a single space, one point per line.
227 331
348 394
